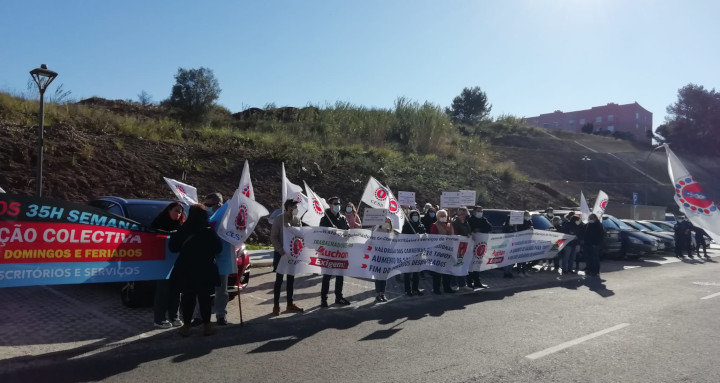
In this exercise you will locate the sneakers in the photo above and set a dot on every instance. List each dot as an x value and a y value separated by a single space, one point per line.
222 322
323 303
342 301
276 310
409 293
379 299
176 322
196 322
417 292
292 308
163 324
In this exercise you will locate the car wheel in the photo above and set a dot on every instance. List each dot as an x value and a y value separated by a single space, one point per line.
130 296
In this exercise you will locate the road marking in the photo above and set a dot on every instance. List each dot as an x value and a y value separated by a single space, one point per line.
574 342
711 296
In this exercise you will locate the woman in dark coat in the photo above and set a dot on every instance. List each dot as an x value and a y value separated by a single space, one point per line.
593 239
413 226
167 297
195 272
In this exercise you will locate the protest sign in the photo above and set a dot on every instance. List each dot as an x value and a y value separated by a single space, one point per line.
372 217
467 197
449 199
516 217
406 198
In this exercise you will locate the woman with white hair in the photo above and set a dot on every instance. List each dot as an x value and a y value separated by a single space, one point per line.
444 227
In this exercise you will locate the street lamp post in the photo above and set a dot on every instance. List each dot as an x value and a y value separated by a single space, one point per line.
585 160
43 77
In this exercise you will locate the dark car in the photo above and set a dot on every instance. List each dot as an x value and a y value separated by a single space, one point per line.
665 239
144 211
497 219
612 243
634 243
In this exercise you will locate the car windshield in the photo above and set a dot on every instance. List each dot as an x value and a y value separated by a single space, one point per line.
666 226
622 225
145 213
608 224
540 222
651 226
635 225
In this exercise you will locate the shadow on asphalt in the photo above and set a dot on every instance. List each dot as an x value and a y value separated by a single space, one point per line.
274 335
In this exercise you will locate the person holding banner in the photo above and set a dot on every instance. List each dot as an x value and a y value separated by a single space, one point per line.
478 224
195 272
700 241
352 216
593 239
428 219
167 298
333 218
442 227
461 226
287 219
683 237
413 226
381 284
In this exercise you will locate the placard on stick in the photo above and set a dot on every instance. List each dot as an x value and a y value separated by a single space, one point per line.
450 199
372 216
468 197
406 198
516 217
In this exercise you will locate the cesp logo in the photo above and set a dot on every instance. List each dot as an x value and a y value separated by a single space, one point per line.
603 204
181 190
241 218
393 206
316 206
381 194
246 191
480 250
689 193
296 246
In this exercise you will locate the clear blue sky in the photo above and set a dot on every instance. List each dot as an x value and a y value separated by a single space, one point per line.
529 56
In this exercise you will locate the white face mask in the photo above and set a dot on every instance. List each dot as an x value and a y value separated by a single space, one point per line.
386 226
348 209
577 222
550 215
442 219
415 218
591 221
294 212
336 208
527 217
478 214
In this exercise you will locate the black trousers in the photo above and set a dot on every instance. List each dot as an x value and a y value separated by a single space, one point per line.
279 280
446 281
325 288
188 306
473 279
411 277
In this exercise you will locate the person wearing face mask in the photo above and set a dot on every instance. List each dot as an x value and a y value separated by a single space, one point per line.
413 226
683 237
444 227
549 213
461 226
592 241
380 285
508 228
429 218
213 202
287 219
333 218
352 216
478 224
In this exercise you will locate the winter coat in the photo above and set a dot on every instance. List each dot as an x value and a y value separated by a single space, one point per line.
411 227
594 234
332 219
480 225
195 269
461 228
353 220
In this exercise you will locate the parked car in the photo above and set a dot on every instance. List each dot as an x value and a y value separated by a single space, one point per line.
634 243
497 219
612 245
666 239
666 226
670 218
144 211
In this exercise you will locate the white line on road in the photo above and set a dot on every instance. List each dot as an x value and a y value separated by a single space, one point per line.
711 296
574 342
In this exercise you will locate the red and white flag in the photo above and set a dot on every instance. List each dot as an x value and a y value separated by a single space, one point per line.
316 207
241 217
395 212
245 182
691 199
376 195
184 192
600 204
290 190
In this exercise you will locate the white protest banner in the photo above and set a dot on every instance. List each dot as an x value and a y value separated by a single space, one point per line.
246 184
290 190
692 200
184 192
372 216
450 199
406 198
377 255
316 209
468 197
584 209
375 194
493 251
600 204
516 217
240 219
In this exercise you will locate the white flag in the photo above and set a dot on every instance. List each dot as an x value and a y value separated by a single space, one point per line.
376 195
600 204
396 214
246 184
241 217
316 207
184 192
584 209
691 199
290 190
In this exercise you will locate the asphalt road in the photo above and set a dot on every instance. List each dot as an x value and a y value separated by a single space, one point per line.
657 323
